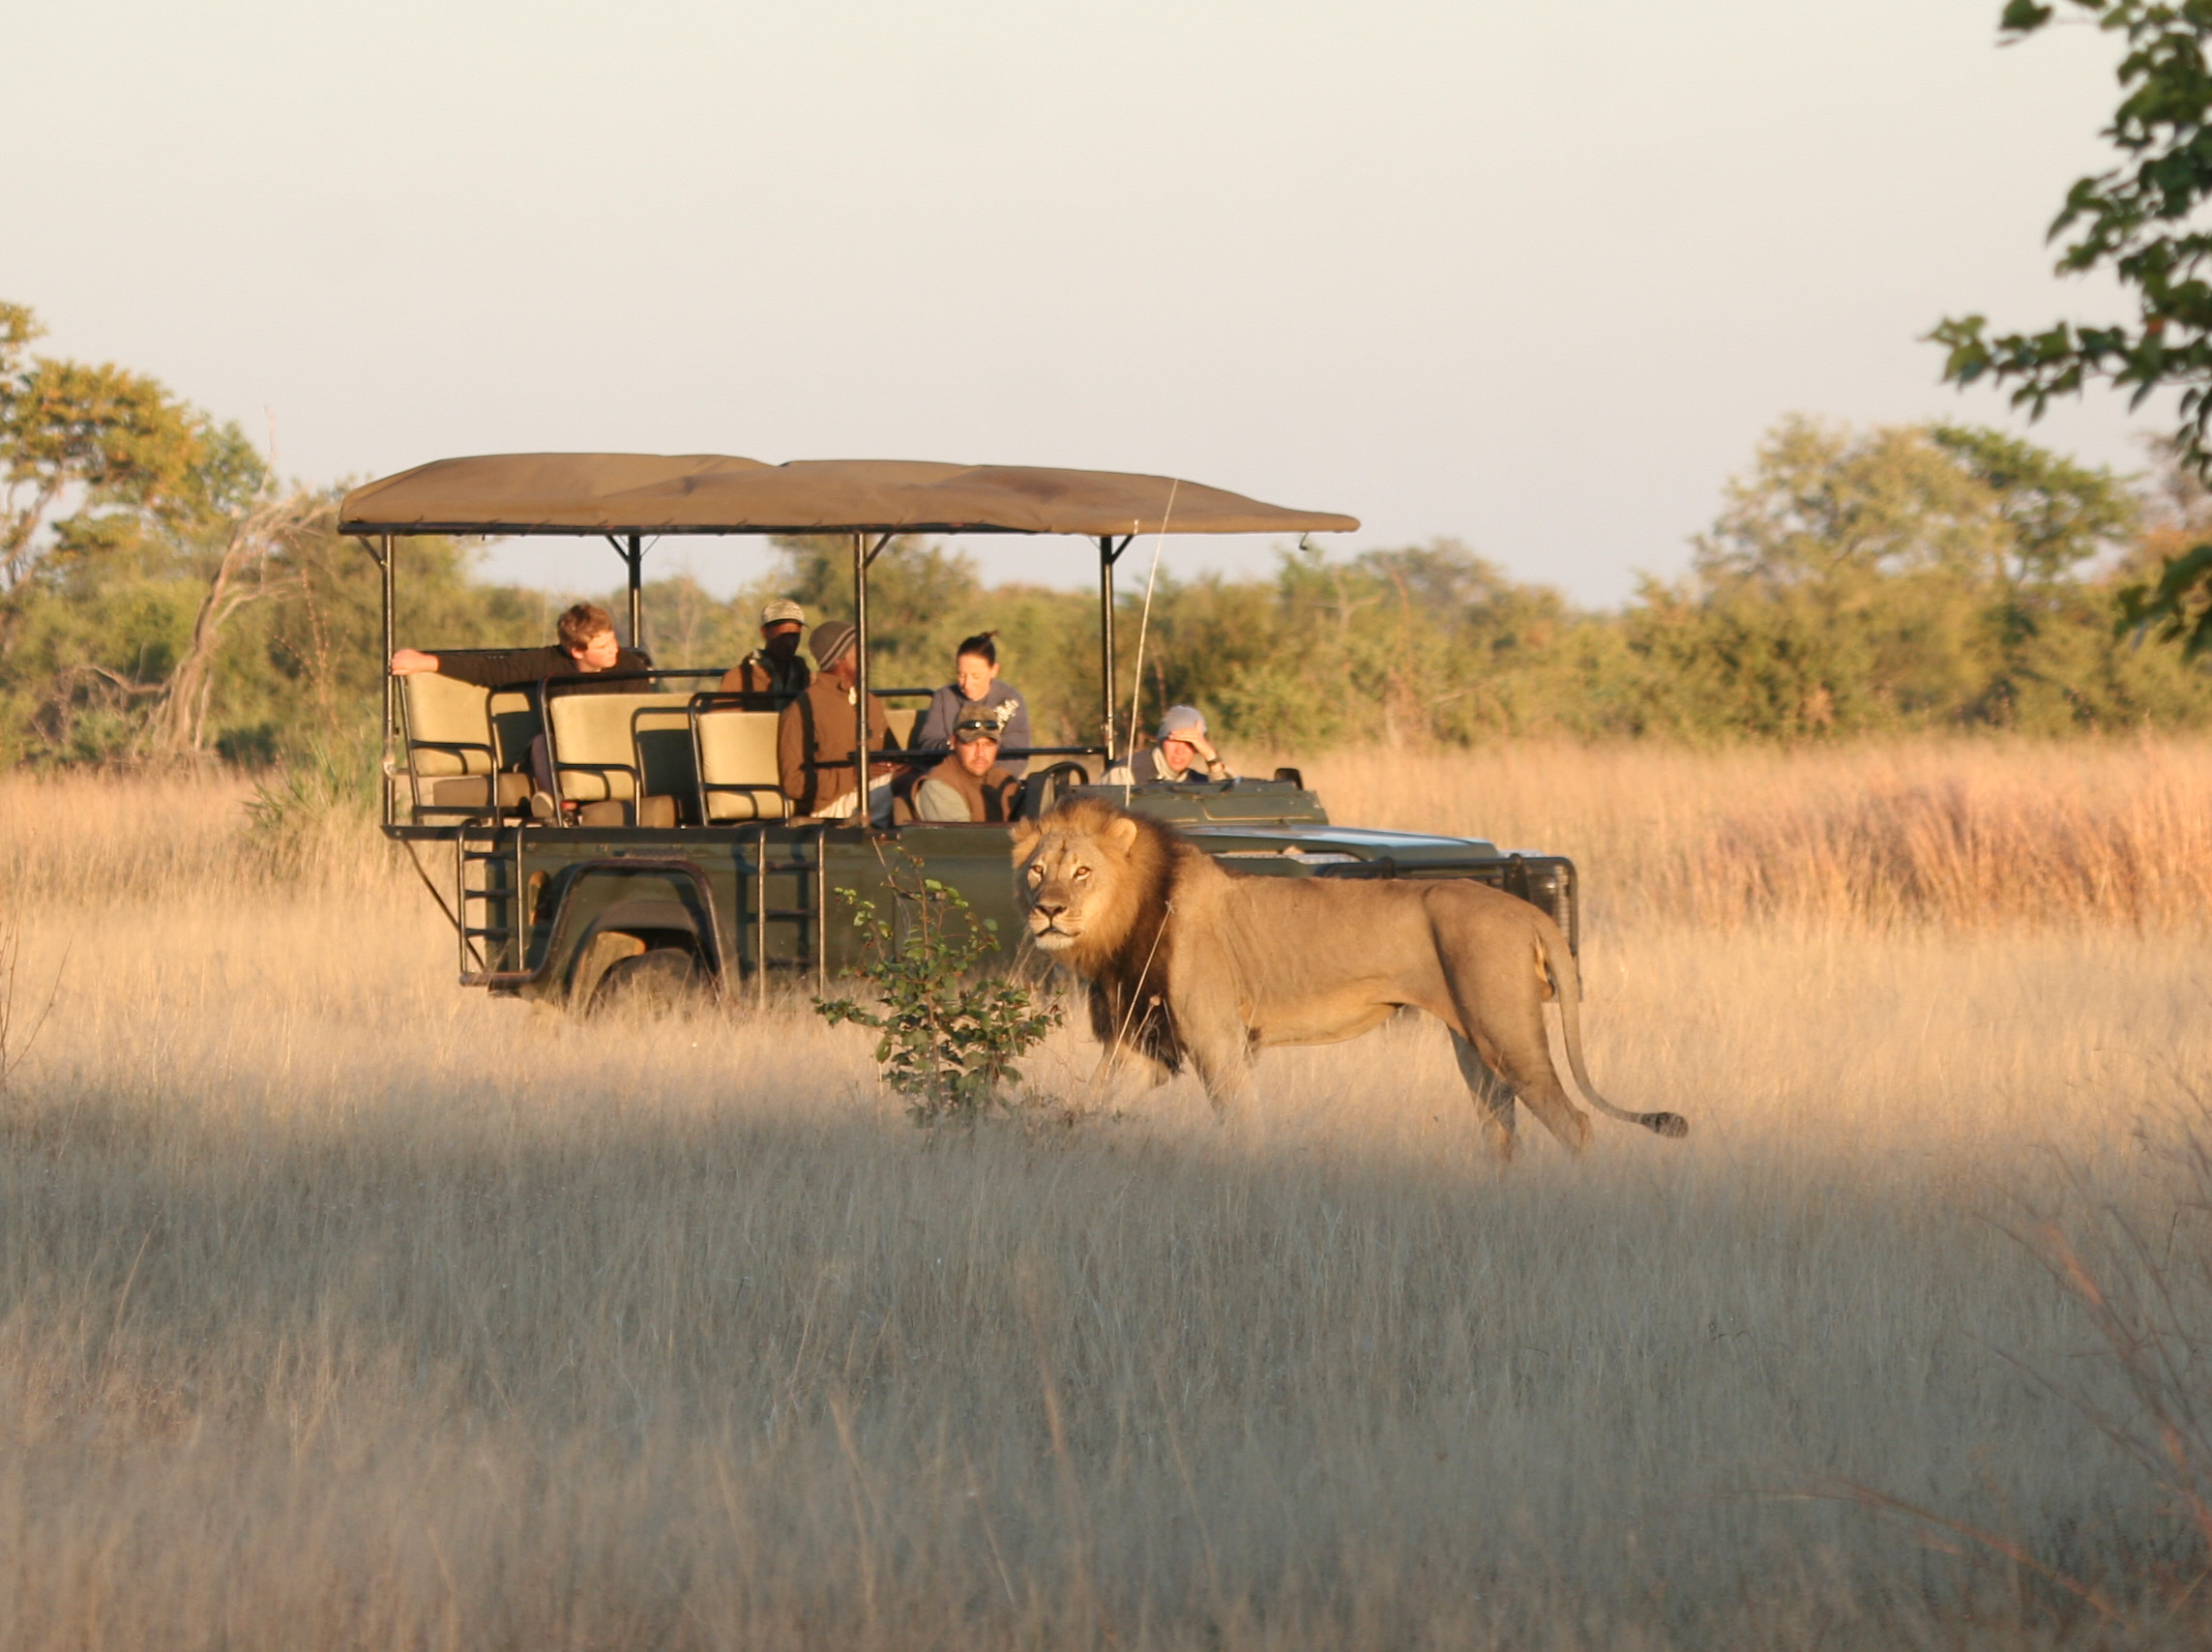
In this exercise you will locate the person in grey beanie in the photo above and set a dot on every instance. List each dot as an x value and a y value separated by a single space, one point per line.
1183 753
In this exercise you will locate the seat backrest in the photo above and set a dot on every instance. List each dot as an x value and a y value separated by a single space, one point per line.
738 749
663 736
902 720
594 749
515 722
449 731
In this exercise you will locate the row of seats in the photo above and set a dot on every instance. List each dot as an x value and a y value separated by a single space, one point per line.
646 758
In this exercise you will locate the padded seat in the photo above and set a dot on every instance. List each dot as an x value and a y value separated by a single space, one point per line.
474 791
647 811
737 774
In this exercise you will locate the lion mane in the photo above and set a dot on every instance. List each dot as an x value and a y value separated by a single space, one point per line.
1127 953
1188 962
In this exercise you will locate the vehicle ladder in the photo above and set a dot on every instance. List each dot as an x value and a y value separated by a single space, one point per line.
480 897
807 864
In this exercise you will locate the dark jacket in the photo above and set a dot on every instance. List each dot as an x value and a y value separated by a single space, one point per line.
762 674
518 668
990 797
817 730
933 730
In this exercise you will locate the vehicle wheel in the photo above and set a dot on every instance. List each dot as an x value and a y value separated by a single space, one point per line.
655 983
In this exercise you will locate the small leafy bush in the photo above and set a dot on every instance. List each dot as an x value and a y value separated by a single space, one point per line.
312 806
950 1036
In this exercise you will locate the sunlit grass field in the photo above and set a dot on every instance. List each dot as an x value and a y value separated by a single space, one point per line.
340 1307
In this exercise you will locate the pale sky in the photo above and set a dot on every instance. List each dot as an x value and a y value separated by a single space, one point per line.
1534 275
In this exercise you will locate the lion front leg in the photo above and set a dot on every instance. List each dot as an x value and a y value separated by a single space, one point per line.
1222 1050
1125 1073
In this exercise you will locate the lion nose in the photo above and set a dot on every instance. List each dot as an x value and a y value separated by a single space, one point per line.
1050 906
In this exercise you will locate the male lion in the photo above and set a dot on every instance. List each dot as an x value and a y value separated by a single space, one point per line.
1186 958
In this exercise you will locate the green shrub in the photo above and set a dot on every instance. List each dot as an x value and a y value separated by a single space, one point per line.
950 1036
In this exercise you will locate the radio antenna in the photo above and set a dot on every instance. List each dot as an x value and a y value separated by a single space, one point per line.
1144 623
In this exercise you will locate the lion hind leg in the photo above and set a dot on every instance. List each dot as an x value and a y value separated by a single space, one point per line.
1500 1012
1493 1095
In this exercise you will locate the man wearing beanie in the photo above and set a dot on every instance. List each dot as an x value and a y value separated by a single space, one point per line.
814 740
776 672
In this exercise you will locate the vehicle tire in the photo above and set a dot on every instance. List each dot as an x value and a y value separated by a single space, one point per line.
659 981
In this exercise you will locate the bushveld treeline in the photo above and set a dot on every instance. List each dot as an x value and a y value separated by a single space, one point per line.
163 595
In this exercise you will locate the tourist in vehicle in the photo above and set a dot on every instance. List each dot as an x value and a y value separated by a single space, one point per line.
1183 754
776 671
970 784
814 740
588 648
975 682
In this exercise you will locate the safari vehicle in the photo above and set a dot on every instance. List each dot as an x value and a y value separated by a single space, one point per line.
672 861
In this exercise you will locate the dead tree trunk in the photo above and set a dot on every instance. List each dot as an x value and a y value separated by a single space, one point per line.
178 724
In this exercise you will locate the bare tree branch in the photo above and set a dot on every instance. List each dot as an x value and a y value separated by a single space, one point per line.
273 524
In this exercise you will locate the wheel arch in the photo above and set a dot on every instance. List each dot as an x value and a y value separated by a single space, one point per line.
682 915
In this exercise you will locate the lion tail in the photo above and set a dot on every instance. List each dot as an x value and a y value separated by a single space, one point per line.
1567 980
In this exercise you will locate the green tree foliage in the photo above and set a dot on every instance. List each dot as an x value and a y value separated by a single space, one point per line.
165 596
1903 578
161 593
1887 580
2141 221
117 440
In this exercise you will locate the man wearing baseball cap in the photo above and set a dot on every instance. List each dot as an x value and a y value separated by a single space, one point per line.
1183 754
773 671
970 784
814 740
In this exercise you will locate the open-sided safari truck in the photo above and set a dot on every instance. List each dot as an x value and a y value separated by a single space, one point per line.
679 862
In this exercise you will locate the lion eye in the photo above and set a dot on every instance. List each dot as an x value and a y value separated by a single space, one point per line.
1082 873
1036 873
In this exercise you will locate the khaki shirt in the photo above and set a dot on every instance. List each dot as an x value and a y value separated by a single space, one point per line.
987 798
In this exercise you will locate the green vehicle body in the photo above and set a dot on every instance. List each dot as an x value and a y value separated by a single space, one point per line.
546 911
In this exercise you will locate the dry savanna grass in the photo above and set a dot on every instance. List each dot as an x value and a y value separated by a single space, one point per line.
341 1308
1966 835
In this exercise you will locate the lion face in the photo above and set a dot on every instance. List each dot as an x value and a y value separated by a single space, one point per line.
1073 882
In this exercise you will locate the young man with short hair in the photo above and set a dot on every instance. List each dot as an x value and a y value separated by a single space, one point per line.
588 648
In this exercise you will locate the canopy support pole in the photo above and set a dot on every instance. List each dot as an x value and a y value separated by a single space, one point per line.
1109 553
635 555
381 549
861 558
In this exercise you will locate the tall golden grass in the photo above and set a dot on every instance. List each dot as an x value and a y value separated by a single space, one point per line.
341 1308
1961 834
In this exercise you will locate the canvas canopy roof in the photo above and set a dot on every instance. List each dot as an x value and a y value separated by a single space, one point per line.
716 493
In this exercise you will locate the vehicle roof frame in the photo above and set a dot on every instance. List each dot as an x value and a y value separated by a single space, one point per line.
679 495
